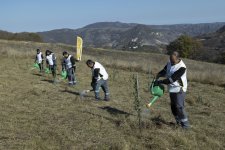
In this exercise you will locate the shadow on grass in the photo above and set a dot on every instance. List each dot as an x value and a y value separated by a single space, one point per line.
115 121
71 92
37 74
4 138
223 85
115 111
159 121
75 93
47 80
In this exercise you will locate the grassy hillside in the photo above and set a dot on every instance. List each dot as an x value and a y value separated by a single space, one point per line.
36 114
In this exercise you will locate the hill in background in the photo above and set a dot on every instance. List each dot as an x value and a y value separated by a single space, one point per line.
24 36
135 37
213 46
128 36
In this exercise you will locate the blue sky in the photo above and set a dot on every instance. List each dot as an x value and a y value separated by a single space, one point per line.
43 15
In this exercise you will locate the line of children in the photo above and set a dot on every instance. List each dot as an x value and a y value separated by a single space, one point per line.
99 74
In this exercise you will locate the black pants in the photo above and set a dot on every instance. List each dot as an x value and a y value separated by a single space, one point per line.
53 69
41 67
177 107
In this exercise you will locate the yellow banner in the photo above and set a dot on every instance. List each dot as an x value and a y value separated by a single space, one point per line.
79 48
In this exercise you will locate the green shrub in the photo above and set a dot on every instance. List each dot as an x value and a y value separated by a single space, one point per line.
185 45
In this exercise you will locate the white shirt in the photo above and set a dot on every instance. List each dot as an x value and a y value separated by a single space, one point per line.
50 59
175 87
68 62
102 71
39 58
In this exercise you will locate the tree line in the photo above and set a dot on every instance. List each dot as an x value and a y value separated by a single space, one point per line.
24 36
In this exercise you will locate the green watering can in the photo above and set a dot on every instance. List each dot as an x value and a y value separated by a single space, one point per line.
157 91
47 70
64 74
36 65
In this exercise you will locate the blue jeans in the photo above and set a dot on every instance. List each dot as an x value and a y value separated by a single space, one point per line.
71 75
177 107
101 84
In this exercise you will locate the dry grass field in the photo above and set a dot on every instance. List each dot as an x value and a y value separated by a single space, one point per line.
37 114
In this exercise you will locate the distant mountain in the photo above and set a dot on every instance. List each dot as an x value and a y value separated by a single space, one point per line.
24 36
101 34
213 46
128 36
111 25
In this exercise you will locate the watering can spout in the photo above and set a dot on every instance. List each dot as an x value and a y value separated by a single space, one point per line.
157 91
152 101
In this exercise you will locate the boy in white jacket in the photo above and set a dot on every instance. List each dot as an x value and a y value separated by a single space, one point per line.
99 79
176 78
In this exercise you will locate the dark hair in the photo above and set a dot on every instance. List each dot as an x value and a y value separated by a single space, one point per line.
65 53
38 49
47 51
89 62
176 53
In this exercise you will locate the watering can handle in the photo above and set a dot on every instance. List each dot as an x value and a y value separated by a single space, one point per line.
152 84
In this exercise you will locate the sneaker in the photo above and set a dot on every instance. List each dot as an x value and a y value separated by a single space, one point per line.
97 99
185 125
106 99
55 81
72 83
178 122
